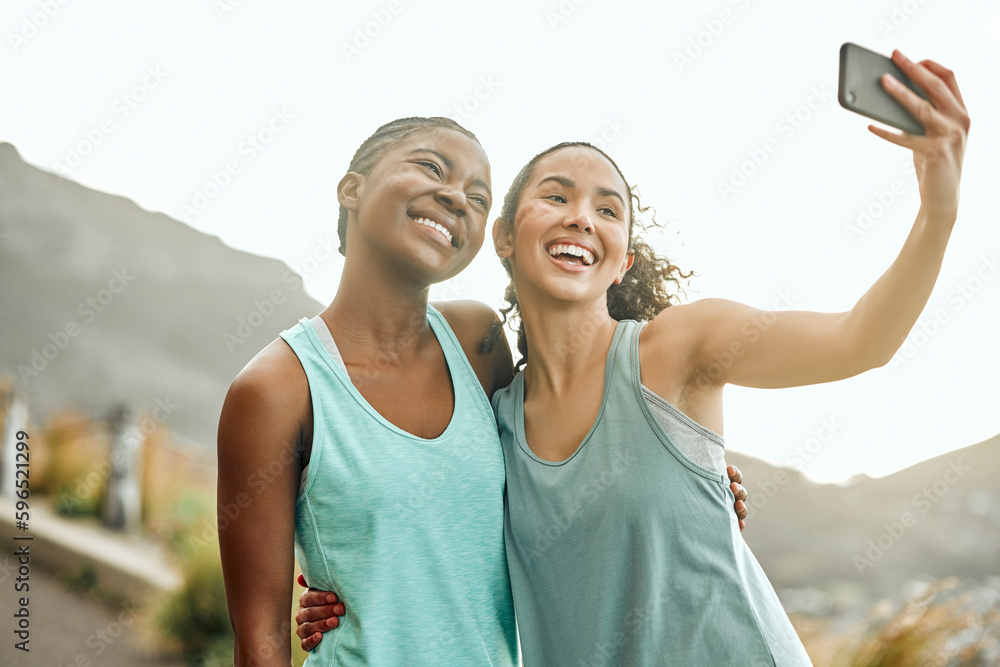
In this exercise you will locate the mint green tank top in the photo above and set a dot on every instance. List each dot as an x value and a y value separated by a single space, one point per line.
627 552
408 531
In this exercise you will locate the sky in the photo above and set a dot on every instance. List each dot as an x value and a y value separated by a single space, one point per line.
240 116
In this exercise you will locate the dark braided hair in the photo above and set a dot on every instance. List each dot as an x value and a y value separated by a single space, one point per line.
649 287
375 146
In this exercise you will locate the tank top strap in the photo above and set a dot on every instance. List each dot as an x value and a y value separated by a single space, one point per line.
463 376
624 366
633 353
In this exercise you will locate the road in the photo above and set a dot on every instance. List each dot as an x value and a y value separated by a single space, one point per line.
70 629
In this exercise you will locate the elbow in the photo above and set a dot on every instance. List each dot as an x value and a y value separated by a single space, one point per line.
877 356
868 349
864 358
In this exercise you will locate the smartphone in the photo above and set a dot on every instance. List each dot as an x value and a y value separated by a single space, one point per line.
861 88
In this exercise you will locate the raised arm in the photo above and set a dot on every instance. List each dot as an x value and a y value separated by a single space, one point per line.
260 432
745 346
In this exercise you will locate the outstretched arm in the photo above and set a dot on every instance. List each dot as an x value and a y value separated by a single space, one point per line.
745 346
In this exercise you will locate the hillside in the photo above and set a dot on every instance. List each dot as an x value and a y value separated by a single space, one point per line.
104 302
865 539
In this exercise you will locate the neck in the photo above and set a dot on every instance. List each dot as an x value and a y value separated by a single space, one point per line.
566 342
376 311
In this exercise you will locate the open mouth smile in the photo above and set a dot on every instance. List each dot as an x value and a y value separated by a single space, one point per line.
572 253
436 226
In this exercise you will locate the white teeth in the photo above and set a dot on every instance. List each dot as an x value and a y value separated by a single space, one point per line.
575 250
434 225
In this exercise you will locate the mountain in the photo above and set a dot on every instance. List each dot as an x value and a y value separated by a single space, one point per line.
866 539
105 303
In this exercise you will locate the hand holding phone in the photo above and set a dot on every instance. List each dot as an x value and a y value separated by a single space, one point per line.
861 90
939 148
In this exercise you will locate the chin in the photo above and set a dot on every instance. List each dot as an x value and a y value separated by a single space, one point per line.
570 293
436 269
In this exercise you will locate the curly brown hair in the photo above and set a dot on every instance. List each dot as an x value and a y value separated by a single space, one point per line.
652 285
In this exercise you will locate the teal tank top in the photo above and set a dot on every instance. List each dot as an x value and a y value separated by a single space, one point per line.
627 552
408 531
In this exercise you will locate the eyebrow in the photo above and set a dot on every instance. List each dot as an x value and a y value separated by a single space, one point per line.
451 165
570 183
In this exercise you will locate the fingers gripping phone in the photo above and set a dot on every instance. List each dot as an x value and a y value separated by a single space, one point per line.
861 88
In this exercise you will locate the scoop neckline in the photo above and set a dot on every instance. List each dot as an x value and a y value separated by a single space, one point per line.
522 439
345 379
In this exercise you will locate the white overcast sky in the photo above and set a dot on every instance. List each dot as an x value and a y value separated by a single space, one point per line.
154 100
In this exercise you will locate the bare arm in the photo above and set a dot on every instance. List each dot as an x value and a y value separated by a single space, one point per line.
259 436
742 345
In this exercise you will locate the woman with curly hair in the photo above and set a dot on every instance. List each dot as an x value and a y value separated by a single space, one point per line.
620 542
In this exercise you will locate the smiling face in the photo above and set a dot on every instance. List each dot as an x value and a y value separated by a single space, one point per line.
569 239
423 206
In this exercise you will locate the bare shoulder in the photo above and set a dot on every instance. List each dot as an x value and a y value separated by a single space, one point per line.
274 376
466 313
671 344
478 329
269 397
671 348
680 324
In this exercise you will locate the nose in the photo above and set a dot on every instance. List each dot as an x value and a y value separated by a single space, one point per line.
579 219
455 201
